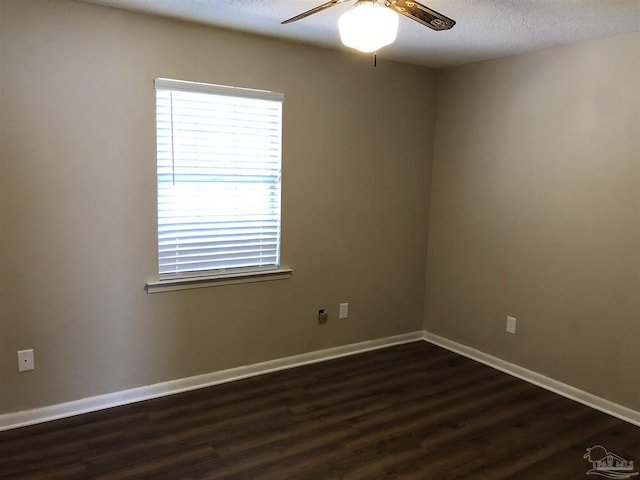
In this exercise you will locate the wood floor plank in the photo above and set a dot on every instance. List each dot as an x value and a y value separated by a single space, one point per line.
408 412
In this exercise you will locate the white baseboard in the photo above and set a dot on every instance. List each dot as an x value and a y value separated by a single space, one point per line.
588 399
91 404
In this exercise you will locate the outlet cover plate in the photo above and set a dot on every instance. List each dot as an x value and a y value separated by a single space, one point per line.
344 311
511 325
25 360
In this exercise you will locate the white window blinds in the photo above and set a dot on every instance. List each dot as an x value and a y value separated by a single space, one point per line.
219 178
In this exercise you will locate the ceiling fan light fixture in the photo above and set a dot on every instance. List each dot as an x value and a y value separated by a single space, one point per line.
368 26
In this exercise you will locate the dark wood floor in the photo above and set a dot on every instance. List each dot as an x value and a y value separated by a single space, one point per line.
412 411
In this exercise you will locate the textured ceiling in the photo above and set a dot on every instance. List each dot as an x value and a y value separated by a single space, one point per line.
485 28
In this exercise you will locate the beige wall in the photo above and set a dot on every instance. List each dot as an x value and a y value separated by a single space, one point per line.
536 213
535 206
77 202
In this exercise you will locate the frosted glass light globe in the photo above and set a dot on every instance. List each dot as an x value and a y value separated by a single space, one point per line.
368 26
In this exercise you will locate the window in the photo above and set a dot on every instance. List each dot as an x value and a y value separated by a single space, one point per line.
219 179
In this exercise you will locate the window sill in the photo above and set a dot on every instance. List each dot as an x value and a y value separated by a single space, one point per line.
160 286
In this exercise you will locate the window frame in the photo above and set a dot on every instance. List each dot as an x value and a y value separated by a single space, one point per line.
219 275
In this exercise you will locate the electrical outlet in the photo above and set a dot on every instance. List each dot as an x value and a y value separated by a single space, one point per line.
344 311
323 316
25 360
511 325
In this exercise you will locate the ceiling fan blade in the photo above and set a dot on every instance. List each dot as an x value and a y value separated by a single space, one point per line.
317 9
421 14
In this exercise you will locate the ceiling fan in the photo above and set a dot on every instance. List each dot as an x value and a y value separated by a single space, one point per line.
414 10
369 26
